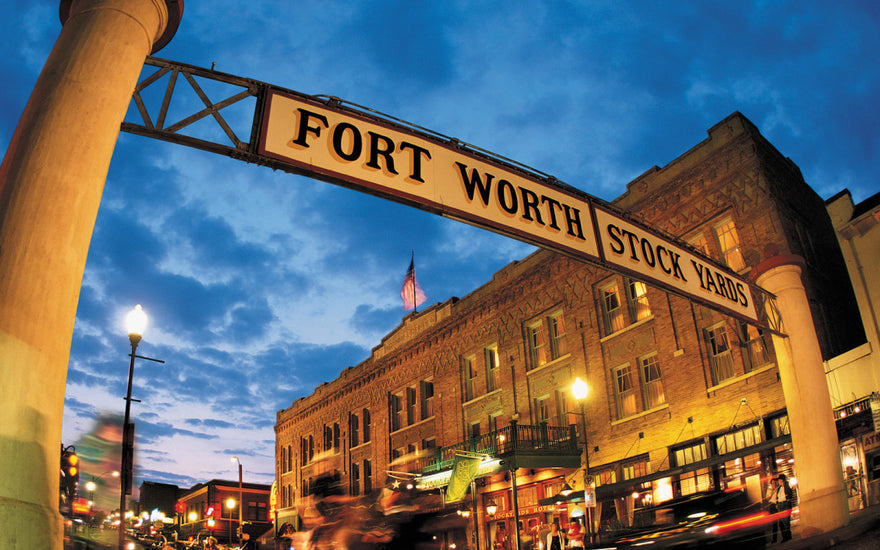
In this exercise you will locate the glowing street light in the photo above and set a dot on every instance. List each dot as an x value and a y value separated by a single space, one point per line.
230 504
580 390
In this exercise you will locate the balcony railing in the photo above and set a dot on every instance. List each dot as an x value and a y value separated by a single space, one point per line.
541 439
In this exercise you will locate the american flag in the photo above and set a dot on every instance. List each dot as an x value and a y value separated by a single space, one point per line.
411 292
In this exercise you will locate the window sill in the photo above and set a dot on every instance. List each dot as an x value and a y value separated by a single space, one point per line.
640 414
627 329
740 378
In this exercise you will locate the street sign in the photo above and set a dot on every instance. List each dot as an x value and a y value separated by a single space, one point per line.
398 163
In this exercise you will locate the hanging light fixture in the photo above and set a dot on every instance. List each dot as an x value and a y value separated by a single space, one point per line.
566 489
491 507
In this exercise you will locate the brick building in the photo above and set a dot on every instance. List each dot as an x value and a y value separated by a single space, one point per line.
681 398
212 508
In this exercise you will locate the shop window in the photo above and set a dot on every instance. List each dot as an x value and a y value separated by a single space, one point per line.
754 344
720 356
729 245
493 368
637 300
624 391
527 496
612 312
470 377
652 383
738 439
695 482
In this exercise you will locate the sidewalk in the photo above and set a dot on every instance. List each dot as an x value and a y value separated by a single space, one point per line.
863 531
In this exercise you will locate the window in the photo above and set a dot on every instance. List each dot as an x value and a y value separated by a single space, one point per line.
728 245
537 349
720 357
398 418
328 437
754 343
542 409
290 458
635 469
493 370
493 421
739 439
368 476
355 485
700 242
541 332
779 426
624 391
612 313
652 384
336 435
688 454
353 430
283 459
429 444
470 377
474 429
696 481
556 324
637 300
366 418
410 406
307 449
427 399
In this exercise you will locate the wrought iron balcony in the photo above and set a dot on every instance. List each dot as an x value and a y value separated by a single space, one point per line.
541 446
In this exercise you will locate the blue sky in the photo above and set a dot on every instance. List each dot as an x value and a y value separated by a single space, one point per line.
261 285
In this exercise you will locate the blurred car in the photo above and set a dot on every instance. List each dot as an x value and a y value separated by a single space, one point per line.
716 519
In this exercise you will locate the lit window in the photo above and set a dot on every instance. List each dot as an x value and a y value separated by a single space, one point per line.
470 377
652 384
556 323
637 299
755 344
612 313
493 370
728 245
537 348
688 454
720 357
624 391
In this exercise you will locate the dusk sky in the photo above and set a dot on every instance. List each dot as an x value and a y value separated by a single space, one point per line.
260 285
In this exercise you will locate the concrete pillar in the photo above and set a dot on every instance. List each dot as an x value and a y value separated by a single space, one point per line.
51 182
821 490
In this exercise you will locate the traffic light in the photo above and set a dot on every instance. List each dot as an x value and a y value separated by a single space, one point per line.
69 472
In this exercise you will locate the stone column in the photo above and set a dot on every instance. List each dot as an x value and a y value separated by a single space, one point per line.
821 490
51 182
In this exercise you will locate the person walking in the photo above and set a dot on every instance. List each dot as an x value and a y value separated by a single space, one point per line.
555 538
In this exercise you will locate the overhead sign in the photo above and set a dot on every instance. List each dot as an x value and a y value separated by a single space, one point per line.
401 164
651 257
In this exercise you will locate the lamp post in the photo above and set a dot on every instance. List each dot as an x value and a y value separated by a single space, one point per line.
580 391
240 500
135 322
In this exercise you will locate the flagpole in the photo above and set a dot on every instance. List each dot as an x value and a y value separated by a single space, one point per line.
412 262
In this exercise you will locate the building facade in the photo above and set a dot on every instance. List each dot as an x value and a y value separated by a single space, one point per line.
854 376
212 508
681 398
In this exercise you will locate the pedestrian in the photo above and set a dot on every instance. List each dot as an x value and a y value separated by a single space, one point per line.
210 543
247 543
575 534
773 498
555 538
785 505
526 542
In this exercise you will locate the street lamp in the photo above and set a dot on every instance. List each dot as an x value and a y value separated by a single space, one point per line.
580 391
240 499
135 323
230 504
491 507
